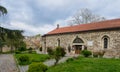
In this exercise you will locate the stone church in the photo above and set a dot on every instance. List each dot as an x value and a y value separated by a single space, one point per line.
104 35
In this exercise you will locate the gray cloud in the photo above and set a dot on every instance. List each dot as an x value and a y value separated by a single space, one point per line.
41 16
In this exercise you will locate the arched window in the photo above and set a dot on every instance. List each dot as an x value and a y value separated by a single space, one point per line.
105 42
78 40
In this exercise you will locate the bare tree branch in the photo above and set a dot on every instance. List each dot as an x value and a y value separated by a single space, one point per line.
84 16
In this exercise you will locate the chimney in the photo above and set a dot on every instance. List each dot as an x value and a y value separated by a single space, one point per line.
57 26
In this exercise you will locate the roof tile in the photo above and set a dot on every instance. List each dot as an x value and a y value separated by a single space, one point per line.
86 27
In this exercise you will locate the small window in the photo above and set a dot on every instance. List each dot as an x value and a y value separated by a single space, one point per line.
58 42
105 43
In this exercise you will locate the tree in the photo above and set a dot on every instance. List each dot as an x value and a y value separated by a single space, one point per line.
12 38
1 45
57 53
3 11
84 16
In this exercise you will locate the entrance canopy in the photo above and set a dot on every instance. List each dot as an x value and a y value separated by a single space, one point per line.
78 40
78 45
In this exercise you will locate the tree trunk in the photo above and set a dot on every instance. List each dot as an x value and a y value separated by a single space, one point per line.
56 60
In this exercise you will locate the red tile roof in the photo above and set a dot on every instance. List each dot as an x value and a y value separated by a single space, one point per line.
115 23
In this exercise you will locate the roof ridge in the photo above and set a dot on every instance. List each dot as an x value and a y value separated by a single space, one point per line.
91 23
88 26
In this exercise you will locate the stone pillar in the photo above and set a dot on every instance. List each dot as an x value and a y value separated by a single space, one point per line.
43 47
82 47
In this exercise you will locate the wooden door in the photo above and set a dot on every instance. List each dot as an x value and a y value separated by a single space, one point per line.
78 48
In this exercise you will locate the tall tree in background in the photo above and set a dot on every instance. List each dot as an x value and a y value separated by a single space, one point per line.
3 11
84 16
12 38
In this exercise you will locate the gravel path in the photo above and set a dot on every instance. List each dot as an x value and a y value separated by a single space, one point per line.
7 63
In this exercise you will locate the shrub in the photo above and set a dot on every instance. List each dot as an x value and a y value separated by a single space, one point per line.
24 60
99 53
86 53
8 52
30 50
17 52
95 55
58 53
37 67
69 60
50 51
22 49
62 51
33 52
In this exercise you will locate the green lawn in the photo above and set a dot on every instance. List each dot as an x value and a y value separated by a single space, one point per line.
35 57
88 65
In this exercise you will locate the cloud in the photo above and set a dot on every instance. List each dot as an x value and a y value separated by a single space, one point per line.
41 16
30 29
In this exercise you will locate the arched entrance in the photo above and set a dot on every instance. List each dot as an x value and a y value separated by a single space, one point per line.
77 45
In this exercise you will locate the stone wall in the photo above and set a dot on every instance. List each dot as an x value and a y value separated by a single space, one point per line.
6 49
32 41
92 40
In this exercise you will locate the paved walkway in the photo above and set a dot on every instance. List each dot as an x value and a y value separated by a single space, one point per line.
48 62
7 63
23 68
52 61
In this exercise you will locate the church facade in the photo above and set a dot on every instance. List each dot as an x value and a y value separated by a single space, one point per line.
99 36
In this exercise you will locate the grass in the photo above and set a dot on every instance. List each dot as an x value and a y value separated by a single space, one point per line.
88 65
34 57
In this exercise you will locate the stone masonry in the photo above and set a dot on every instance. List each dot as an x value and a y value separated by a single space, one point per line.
93 40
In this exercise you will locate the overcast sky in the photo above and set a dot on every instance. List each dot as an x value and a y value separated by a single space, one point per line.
41 16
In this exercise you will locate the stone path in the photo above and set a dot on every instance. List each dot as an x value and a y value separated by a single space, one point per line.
48 62
23 68
7 63
52 61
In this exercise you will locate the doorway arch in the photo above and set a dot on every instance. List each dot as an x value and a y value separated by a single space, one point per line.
78 44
